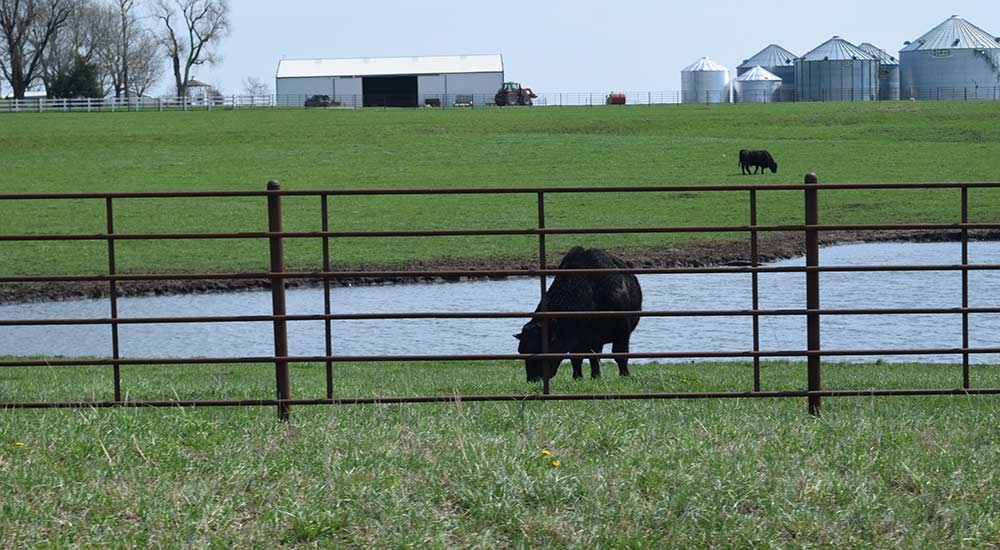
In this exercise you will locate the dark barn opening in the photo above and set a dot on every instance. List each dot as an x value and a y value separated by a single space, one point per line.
389 91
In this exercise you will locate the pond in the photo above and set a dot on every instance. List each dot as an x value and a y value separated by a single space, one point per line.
471 336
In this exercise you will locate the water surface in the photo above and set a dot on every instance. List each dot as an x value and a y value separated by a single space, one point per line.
471 336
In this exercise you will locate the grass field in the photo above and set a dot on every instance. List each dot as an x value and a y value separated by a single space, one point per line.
883 472
871 472
842 142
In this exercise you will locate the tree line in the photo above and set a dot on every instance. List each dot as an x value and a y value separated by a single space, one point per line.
101 48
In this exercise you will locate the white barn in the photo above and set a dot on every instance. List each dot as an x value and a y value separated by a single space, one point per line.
391 81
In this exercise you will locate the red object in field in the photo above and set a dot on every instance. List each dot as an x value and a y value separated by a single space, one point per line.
616 99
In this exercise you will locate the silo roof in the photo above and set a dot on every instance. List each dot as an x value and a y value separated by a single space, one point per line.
955 32
758 73
883 57
703 64
771 56
374 66
837 49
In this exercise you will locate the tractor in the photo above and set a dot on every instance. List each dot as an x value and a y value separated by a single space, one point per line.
513 94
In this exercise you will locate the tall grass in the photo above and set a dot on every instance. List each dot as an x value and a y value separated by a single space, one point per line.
871 472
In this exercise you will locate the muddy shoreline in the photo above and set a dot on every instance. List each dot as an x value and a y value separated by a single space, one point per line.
771 247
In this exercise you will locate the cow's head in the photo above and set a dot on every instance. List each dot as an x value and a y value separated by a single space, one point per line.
773 166
530 341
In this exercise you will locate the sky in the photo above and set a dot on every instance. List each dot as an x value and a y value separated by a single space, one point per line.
570 46
567 46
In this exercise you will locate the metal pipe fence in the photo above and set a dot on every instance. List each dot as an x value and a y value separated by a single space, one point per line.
785 94
277 275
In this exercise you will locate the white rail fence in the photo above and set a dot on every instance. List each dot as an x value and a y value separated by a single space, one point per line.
236 102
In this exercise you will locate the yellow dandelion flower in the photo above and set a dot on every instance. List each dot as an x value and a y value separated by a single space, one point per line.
545 452
19 444
556 464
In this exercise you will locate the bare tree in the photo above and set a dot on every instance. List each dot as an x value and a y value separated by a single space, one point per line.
133 52
26 29
145 62
255 87
88 31
191 30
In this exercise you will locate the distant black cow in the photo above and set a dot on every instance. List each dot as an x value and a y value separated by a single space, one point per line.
758 160
601 292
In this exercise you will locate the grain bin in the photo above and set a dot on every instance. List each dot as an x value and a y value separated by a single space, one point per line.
705 81
954 60
777 61
888 72
757 85
836 70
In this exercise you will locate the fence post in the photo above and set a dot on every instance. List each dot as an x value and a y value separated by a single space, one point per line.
755 290
113 294
965 288
543 302
812 291
277 248
325 226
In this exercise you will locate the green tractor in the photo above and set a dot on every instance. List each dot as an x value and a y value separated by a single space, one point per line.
513 94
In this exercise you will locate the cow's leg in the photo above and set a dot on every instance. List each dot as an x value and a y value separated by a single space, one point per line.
595 363
577 368
621 346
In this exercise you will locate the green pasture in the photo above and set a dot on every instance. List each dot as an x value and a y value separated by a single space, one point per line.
871 472
340 149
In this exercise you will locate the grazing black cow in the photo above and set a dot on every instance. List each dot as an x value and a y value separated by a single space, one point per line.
601 292
758 160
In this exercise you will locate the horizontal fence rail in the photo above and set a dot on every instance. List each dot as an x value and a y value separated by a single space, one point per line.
277 276
783 94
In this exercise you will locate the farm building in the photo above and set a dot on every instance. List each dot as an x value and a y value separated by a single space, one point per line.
391 81
758 85
836 70
705 81
888 72
954 60
777 61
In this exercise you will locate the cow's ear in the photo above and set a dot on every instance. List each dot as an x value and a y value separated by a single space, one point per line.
518 336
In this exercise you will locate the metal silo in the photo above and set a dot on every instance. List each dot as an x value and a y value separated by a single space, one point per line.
955 60
777 61
888 72
705 81
757 85
836 70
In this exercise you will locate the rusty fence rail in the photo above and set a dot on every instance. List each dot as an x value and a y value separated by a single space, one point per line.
279 318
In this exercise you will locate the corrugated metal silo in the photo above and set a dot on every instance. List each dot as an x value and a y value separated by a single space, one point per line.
778 61
757 85
888 72
836 70
705 81
955 60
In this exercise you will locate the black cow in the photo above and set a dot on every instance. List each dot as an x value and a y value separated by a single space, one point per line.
758 160
601 292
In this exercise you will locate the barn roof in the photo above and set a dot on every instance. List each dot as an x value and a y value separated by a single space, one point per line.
837 49
771 56
375 66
